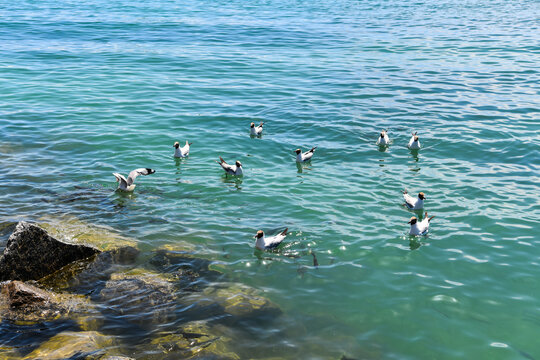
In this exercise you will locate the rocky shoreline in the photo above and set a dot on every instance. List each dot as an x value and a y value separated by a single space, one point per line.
92 298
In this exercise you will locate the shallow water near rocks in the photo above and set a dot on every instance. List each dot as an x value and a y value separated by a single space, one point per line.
99 87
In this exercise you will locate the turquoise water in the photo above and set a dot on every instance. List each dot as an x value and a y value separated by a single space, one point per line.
91 88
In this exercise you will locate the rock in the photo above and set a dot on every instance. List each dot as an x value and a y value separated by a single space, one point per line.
86 345
194 340
241 301
31 253
140 297
20 295
26 303
77 231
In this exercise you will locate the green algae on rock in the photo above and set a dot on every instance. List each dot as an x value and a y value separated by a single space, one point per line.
90 345
194 340
80 232
241 300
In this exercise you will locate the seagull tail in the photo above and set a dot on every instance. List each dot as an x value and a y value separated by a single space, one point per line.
221 161
284 232
313 149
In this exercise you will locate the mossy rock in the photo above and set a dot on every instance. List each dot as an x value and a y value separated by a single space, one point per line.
74 230
194 340
74 345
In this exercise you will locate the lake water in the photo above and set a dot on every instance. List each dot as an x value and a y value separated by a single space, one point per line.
95 87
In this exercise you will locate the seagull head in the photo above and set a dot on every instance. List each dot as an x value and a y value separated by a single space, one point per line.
238 164
176 145
415 138
298 151
252 124
421 196
259 235
413 220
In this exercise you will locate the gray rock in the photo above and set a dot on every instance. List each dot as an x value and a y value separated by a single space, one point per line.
31 253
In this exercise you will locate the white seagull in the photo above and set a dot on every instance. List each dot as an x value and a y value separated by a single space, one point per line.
181 152
383 139
231 169
266 243
419 228
256 130
127 185
414 142
414 203
303 157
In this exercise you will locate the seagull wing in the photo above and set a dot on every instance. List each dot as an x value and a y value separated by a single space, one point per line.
409 200
231 169
121 179
274 241
132 175
308 154
424 226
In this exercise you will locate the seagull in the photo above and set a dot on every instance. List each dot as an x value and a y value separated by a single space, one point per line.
127 185
303 157
266 243
180 152
256 130
414 142
231 169
419 228
383 139
412 203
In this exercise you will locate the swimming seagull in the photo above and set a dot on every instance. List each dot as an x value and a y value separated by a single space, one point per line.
231 169
414 142
180 152
419 228
383 139
266 243
127 185
412 203
303 157
256 130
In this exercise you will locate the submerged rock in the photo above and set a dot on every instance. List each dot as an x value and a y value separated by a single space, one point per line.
194 340
88 345
242 301
140 297
191 273
86 276
31 253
